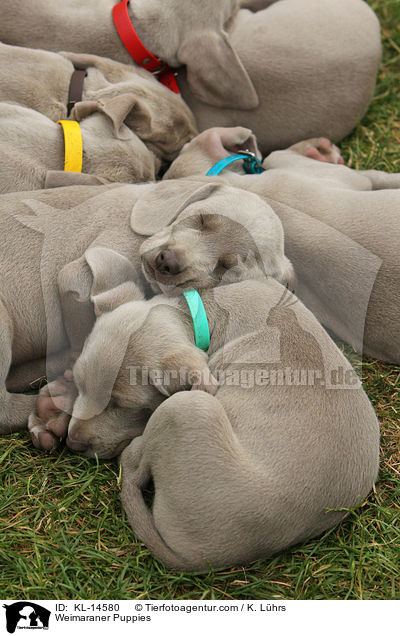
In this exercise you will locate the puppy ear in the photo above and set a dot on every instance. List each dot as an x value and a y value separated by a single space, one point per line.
184 369
109 269
98 281
118 108
148 116
84 109
113 298
60 178
113 279
160 205
215 73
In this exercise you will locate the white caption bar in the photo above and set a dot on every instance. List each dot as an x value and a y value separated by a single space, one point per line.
150 617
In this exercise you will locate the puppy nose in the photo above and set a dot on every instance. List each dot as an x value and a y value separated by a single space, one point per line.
77 443
166 262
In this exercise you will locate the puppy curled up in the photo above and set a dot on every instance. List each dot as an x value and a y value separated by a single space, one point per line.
267 449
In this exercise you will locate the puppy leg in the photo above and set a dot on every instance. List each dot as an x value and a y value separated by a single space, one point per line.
207 494
382 180
14 408
320 149
136 473
48 422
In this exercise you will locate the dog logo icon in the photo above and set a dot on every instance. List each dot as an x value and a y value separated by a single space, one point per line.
26 615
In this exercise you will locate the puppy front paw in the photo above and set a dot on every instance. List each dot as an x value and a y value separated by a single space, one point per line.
48 422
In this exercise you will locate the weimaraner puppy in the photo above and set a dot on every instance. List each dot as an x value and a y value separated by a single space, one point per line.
178 33
313 64
128 95
268 451
60 247
32 152
342 232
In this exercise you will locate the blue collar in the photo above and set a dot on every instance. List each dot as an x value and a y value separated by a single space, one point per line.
251 164
199 317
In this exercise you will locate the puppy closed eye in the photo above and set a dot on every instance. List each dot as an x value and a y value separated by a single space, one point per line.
202 222
225 263
209 222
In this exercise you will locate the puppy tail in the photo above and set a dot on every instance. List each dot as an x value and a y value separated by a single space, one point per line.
142 523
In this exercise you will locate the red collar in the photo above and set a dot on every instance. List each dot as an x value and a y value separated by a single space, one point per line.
136 48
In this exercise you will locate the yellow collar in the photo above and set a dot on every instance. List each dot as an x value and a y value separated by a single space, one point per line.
73 145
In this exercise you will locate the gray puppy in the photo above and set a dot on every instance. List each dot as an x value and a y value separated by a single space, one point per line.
278 440
342 232
176 32
126 94
32 152
299 68
59 247
313 64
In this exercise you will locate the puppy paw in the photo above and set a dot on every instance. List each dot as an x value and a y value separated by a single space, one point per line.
48 422
320 149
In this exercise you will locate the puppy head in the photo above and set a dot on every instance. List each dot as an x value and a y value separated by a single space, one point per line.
194 34
125 160
142 106
137 355
217 235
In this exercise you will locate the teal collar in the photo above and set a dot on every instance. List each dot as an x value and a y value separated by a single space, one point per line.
251 164
199 317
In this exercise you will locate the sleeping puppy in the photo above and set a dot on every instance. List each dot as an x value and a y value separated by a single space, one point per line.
201 248
60 247
32 153
313 64
342 231
176 32
269 449
298 68
126 94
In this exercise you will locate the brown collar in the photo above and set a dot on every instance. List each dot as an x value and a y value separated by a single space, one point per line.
75 88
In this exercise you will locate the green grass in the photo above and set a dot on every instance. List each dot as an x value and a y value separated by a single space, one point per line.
376 141
62 531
